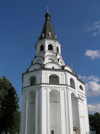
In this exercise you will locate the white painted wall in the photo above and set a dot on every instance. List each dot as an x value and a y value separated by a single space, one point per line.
57 116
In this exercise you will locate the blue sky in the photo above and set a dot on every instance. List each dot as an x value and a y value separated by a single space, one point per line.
77 25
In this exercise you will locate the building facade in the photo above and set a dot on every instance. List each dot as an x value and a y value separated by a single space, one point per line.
53 97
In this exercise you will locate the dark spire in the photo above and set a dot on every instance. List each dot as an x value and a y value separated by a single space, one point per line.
47 30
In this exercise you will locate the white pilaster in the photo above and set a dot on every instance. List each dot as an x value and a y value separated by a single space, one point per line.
67 104
70 113
63 117
86 115
40 111
26 115
23 113
36 113
79 118
48 111
67 115
43 94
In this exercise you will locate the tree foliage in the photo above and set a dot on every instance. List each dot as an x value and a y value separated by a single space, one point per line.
94 121
9 114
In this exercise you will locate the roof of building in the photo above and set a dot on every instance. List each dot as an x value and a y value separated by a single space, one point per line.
48 30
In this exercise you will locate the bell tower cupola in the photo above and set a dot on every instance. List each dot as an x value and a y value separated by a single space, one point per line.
48 49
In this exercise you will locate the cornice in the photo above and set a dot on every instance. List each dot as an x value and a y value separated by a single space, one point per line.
51 69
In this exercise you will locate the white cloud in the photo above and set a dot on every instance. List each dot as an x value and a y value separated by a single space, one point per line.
91 77
92 89
93 109
92 85
93 54
94 34
95 28
96 23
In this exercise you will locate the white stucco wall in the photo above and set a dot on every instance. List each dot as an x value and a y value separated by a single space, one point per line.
44 110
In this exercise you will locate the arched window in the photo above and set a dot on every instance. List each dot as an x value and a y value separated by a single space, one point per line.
32 80
54 79
55 111
57 50
75 117
72 83
50 47
41 48
81 87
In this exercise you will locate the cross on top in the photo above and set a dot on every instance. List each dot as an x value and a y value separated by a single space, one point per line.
47 9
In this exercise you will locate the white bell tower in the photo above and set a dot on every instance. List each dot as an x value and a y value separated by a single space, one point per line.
53 97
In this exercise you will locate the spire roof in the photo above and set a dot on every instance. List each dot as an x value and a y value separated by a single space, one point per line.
48 30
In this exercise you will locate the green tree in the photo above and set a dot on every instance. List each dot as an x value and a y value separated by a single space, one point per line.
94 121
9 114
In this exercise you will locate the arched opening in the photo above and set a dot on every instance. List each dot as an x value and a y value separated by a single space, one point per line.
31 112
72 83
81 87
50 47
57 50
75 114
54 79
41 48
32 80
55 121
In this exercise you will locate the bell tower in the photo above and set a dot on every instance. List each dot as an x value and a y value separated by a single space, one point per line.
53 97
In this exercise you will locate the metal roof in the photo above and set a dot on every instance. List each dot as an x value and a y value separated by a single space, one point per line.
48 30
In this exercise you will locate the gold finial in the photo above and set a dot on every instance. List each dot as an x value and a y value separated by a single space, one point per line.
47 9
